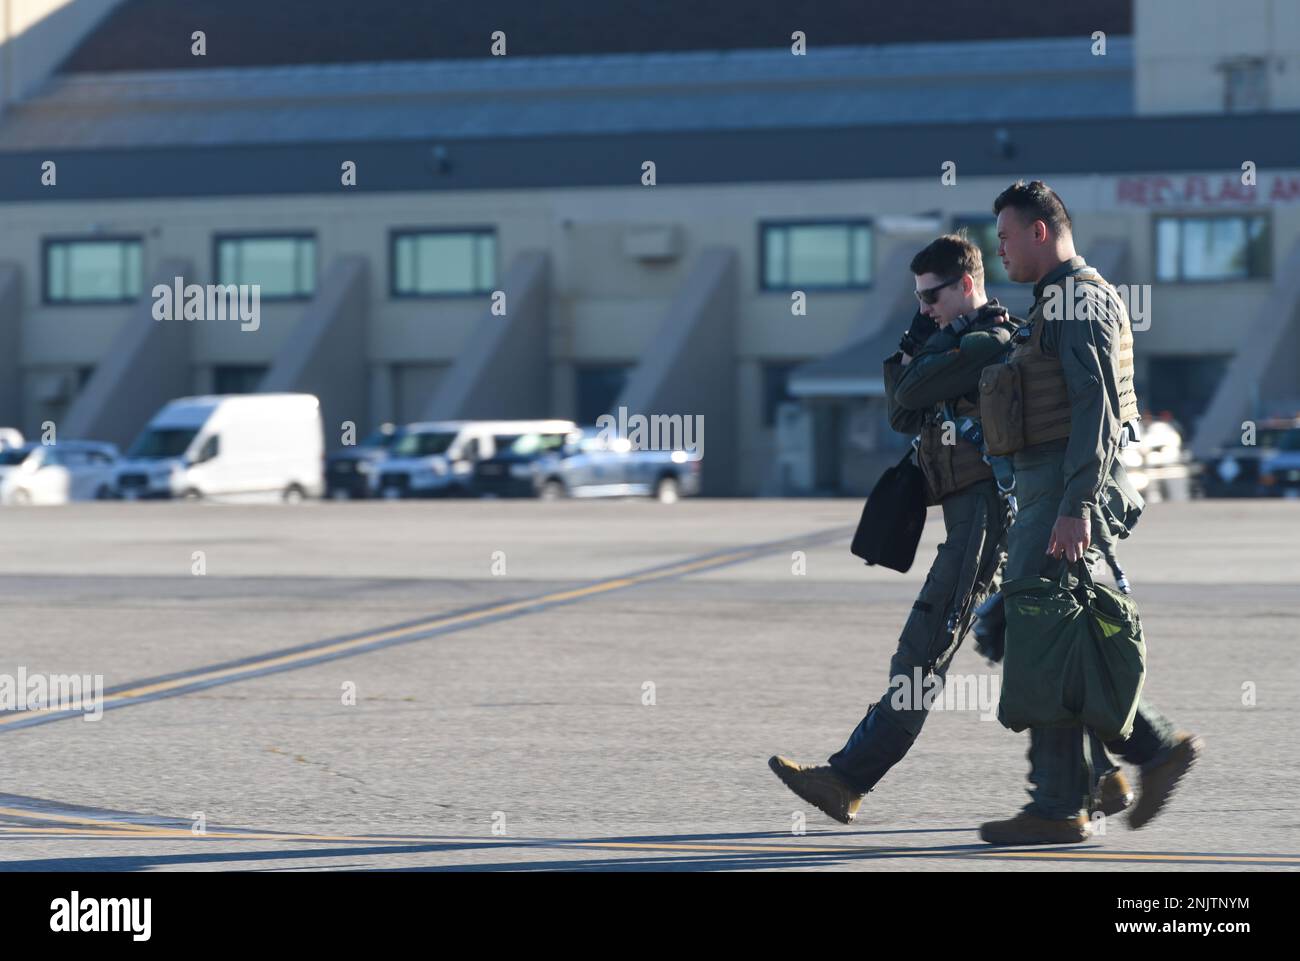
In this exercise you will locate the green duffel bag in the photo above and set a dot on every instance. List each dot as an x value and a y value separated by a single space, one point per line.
1074 654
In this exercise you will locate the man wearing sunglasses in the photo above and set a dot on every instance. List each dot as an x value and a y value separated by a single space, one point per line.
1076 371
931 385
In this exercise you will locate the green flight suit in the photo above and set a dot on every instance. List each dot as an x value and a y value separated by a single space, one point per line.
965 568
1070 477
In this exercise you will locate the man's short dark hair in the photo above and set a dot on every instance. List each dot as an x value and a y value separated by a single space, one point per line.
950 256
1035 201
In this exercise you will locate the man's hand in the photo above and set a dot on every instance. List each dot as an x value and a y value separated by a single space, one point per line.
1071 537
917 334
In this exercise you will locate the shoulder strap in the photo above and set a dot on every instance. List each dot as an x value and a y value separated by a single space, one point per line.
1036 334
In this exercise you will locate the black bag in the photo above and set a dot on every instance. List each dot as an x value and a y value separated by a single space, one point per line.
892 518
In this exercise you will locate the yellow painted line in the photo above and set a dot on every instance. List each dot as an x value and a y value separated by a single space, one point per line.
42 816
412 630
119 829
915 852
1106 856
732 848
110 830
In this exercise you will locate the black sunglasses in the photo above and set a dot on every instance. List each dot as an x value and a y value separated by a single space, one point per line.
931 294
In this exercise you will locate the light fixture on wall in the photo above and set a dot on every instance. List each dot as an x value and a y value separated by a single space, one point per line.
440 158
1006 148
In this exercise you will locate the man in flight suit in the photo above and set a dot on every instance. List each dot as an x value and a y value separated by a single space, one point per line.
1076 364
925 386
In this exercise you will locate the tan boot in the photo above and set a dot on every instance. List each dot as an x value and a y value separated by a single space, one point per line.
820 786
1112 795
1158 783
1026 828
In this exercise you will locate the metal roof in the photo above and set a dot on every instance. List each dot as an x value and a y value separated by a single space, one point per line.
155 34
903 84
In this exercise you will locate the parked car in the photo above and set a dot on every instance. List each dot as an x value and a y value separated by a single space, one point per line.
349 473
1279 472
441 458
592 465
223 445
431 459
508 470
1234 469
70 470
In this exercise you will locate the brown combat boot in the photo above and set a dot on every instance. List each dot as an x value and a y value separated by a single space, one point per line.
1111 795
820 786
1158 783
1026 828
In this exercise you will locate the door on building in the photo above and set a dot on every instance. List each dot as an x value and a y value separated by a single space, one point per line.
413 388
237 378
596 390
1184 386
828 447
54 393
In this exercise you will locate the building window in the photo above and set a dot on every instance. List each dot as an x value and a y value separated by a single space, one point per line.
1245 85
776 388
100 271
597 389
983 233
237 378
282 267
1229 247
442 263
816 256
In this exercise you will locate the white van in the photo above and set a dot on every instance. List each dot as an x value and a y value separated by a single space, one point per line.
233 444
437 458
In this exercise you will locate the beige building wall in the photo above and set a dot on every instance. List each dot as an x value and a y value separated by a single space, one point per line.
1183 50
607 304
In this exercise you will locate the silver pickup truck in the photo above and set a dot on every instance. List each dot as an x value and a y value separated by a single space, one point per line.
590 465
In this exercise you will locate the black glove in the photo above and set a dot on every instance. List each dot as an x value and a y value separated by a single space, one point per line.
991 628
916 336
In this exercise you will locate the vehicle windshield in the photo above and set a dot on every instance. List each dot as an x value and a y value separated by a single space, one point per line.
159 442
530 445
382 439
14 456
422 444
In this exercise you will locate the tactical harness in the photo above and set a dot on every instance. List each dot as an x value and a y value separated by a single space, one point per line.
1025 401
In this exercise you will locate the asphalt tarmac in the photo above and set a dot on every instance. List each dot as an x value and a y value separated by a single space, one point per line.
516 685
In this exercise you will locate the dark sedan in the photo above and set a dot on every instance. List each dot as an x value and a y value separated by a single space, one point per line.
348 471
509 472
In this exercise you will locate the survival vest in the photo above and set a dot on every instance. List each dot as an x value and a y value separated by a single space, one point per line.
953 467
1026 402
